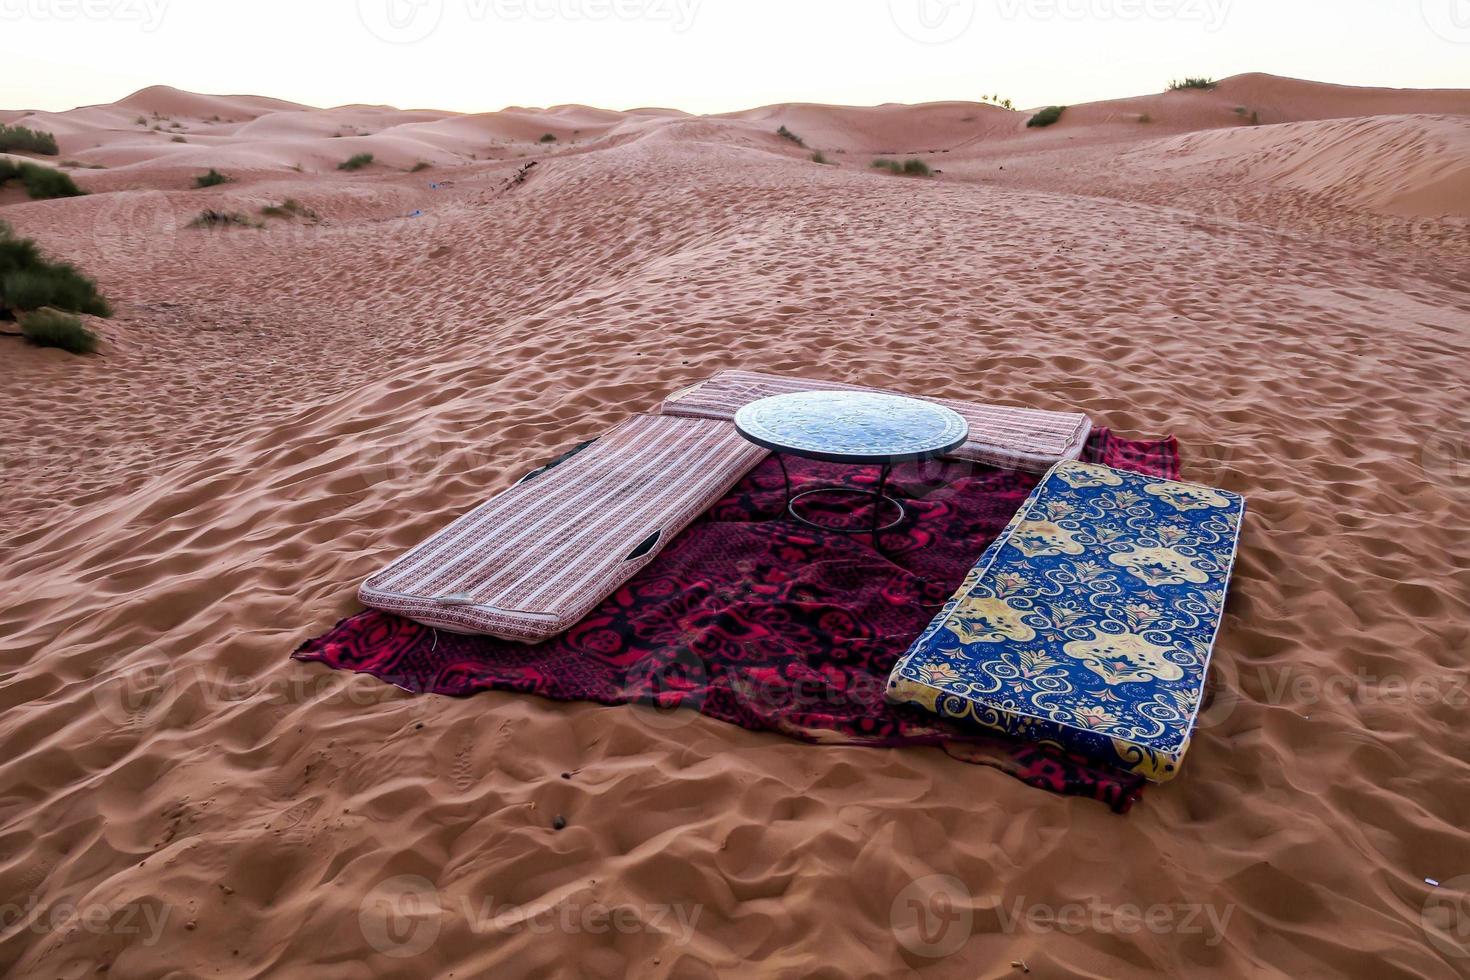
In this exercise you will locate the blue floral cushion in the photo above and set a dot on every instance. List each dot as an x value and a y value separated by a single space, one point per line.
1089 622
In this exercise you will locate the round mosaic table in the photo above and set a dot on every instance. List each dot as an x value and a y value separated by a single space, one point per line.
854 427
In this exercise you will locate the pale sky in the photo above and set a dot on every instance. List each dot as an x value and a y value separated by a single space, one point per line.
709 55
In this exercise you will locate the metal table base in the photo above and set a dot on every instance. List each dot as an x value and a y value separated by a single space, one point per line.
878 495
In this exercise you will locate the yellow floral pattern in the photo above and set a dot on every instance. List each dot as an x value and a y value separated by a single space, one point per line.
1187 496
1035 539
988 620
1124 658
1160 566
1080 476
1089 622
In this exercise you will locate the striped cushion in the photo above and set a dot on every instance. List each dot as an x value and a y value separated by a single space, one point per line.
533 561
1011 438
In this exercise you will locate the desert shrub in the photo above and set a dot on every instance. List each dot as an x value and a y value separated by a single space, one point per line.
1145 118
51 284
1046 116
787 134
83 166
356 162
548 138
421 165
41 183
19 139
912 166
819 157
49 327
179 139
29 281
289 208
1185 83
212 179
211 218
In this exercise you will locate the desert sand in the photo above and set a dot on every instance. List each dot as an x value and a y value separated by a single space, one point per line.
280 411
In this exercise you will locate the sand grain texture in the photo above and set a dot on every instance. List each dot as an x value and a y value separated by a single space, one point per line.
282 411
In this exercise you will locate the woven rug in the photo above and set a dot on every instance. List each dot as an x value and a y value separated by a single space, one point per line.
768 624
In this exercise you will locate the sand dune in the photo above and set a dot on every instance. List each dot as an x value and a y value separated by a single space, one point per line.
1411 165
280 411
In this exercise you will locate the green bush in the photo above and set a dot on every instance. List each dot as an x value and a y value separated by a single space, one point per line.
29 281
819 157
787 134
548 138
179 139
19 139
1046 116
212 179
51 284
41 183
48 327
421 165
289 208
356 162
1184 83
216 219
913 166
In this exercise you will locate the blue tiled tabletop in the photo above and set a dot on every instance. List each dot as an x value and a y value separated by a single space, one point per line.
851 426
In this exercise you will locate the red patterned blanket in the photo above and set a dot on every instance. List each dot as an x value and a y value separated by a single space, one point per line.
770 625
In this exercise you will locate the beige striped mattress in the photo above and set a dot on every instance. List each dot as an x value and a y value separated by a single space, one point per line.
1012 438
534 560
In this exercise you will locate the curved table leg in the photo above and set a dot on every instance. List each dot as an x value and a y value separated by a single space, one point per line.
878 496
